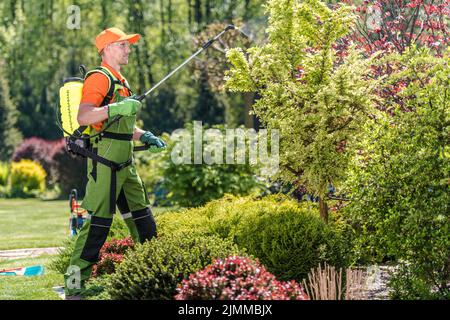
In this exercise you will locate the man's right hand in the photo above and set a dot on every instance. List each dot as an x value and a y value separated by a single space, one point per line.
127 107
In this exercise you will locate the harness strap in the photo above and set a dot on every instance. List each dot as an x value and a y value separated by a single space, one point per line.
117 136
141 148
114 166
112 82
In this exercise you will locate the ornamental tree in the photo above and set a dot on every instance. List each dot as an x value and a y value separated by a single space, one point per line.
317 99
394 25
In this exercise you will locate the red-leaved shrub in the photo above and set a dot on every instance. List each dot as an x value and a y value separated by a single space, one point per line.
62 167
237 278
68 170
111 254
38 150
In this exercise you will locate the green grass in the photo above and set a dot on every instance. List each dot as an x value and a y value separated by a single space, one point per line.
29 288
33 223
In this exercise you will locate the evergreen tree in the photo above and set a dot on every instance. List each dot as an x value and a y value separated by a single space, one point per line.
317 100
9 135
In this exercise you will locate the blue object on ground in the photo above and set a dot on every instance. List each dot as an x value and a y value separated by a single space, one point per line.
24 271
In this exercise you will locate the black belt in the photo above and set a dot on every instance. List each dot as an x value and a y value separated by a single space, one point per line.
123 137
117 136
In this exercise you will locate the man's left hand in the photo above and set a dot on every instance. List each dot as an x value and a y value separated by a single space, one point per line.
156 144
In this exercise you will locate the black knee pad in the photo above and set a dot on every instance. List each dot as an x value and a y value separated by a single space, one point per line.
145 224
98 232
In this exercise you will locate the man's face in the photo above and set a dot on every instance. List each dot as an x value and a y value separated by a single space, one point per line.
120 51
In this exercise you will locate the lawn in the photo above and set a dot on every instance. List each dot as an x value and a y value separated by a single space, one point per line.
29 288
34 223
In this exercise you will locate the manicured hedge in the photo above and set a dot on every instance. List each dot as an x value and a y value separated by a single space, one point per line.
287 237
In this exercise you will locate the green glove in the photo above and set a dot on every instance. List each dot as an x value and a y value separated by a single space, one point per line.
156 144
127 107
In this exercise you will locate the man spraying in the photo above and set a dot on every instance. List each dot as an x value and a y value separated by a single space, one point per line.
106 95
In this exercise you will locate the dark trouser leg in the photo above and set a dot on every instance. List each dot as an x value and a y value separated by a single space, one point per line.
145 224
87 248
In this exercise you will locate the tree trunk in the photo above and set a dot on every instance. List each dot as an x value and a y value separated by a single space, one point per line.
198 13
323 209
248 102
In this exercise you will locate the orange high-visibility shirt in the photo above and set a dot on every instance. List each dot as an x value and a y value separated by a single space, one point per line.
95 89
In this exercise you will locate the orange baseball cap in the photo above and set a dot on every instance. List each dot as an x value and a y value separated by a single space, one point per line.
111 35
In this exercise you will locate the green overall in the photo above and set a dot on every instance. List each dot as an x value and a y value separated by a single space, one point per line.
107 187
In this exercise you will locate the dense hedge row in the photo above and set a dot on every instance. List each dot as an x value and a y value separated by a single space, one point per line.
288 238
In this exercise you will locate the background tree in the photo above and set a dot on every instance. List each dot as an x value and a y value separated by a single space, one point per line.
10 137
317 104
212 65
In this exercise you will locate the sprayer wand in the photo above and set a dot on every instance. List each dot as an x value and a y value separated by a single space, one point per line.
204 47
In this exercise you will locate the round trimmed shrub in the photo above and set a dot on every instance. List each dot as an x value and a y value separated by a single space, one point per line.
288 237
153 270
27 177
237 278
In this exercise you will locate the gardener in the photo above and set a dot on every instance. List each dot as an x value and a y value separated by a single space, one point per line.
104 97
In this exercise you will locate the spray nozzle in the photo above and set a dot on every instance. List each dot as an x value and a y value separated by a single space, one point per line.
230 26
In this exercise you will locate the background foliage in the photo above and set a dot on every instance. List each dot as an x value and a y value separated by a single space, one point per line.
400 180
